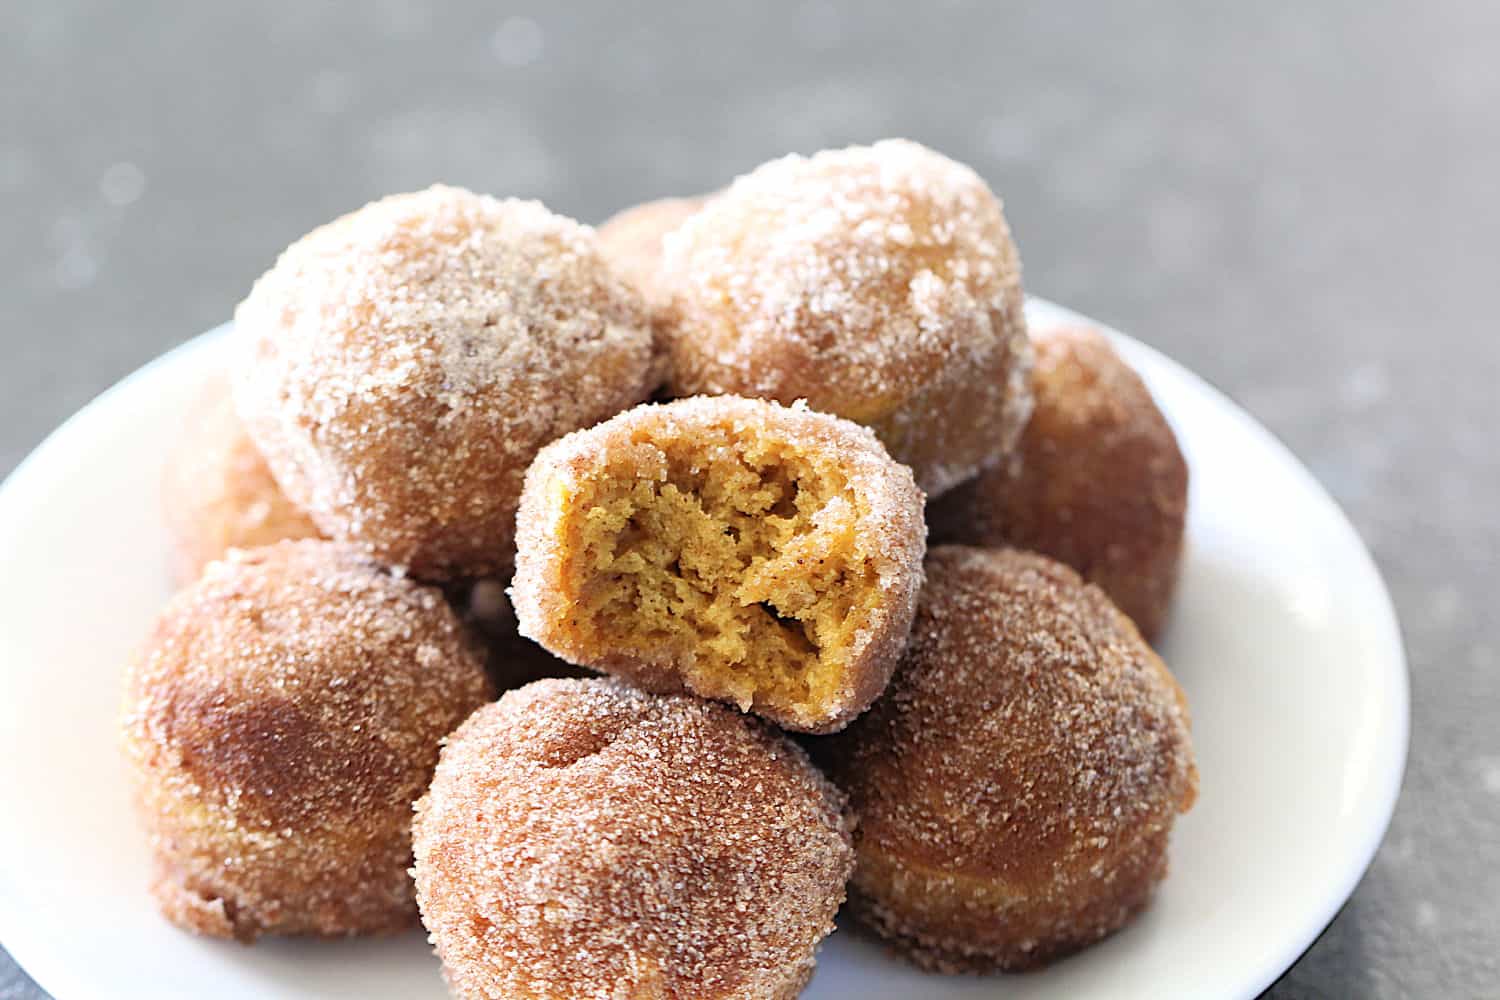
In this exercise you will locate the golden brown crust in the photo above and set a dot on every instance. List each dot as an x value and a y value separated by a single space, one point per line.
1098 482
878 283
217 493
882 511
1017 783
279 723
585 839
400 367
631 241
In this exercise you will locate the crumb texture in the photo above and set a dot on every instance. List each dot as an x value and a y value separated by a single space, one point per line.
583 839
754 553
400 367
1098 482
878 283
279 723
1017 784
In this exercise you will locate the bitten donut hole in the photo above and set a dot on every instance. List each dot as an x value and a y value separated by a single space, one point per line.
740 562
739 549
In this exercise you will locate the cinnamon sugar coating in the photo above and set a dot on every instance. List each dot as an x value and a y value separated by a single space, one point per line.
878 283
582 839
760 554
217 493
1098 481
278 724
631 241
1017 783
400 367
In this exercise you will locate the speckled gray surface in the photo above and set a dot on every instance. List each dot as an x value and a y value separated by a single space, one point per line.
1299 201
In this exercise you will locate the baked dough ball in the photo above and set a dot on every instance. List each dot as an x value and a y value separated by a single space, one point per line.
584 839
761 554
1017 784
400 367
1098 481
217 493
279 724
878 283
631 242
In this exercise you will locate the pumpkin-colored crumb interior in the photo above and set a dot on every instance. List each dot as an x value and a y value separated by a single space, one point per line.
742 566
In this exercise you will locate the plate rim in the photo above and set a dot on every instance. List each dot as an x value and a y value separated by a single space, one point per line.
19 944
1392 640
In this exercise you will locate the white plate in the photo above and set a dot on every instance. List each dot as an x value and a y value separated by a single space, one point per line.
1283 636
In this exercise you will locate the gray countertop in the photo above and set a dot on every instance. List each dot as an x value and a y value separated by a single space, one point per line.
1299 201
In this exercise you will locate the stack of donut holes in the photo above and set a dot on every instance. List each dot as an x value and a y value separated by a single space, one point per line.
463 447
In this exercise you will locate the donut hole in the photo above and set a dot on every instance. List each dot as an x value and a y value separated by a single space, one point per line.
734 558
